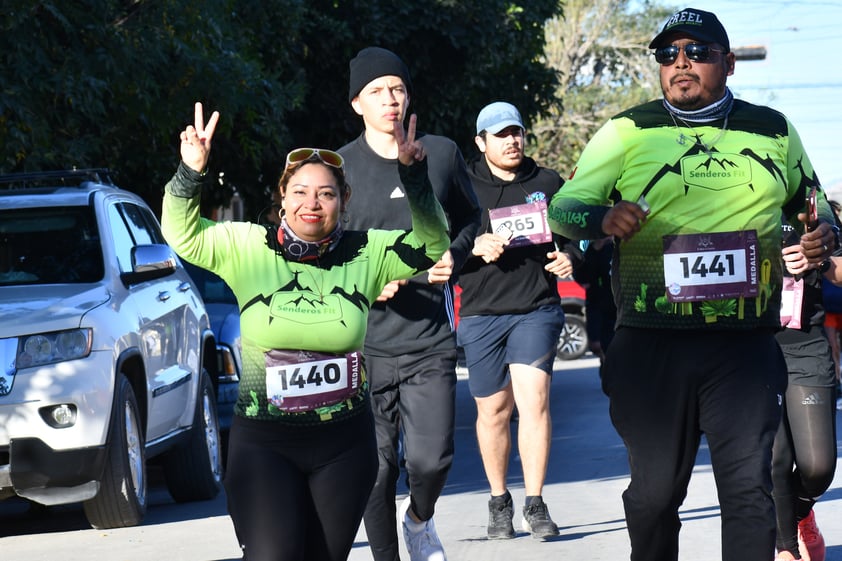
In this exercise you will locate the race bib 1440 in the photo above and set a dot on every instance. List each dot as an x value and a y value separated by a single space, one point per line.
304 380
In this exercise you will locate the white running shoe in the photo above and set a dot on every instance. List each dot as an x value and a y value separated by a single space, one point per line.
423 545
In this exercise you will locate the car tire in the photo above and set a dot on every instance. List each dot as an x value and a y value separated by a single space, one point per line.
573 340
193 470
121 500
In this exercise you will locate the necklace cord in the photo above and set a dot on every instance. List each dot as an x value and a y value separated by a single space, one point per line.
706 147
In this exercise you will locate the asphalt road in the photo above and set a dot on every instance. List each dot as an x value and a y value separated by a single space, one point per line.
586 477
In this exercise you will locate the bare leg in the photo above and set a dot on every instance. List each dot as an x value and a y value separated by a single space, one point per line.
531 392
494 436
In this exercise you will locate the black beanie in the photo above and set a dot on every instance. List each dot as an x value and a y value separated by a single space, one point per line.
374 62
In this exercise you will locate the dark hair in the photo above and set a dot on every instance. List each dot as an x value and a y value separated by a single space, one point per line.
338 174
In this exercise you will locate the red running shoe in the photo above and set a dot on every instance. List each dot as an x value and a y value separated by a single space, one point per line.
810 540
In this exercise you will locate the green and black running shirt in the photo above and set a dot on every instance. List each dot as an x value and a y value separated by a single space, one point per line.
709 254
318 306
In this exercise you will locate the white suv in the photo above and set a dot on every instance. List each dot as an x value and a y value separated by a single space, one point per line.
107 358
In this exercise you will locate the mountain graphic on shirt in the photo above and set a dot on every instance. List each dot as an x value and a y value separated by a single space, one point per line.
306 299
723 163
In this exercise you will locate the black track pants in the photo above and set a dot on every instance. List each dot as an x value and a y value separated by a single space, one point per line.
666 389
415 394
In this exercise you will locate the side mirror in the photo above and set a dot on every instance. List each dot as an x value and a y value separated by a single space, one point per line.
150 262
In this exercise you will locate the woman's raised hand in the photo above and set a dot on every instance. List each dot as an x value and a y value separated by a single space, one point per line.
196 139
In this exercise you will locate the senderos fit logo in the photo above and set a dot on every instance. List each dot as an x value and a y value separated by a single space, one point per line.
716 172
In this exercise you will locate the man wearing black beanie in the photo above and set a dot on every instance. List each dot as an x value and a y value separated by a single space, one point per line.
410 346
374 62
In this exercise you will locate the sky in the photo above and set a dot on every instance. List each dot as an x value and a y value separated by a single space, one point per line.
802 73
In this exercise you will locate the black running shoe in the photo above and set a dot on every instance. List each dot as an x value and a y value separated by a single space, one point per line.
500 514
537 521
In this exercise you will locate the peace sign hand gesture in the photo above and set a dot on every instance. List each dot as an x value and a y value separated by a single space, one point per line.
196 140
409 149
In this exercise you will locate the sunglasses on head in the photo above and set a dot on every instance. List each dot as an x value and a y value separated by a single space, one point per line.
328 157
696 52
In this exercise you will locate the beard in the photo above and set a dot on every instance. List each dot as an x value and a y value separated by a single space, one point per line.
692 95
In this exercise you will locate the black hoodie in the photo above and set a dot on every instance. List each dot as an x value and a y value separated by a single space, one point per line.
516 283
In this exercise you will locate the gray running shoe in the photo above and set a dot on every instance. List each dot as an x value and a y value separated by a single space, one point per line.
537 521
500 514
423 545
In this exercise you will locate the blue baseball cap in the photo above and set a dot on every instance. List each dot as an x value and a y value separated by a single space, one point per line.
496 116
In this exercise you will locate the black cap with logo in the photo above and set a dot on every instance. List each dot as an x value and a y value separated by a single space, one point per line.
698 24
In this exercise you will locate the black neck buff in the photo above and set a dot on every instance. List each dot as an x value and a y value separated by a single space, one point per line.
296 249
713 112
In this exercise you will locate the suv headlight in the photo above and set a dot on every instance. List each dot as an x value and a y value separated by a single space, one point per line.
48 348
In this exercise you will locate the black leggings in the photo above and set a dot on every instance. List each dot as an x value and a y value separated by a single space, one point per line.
803 458
299 493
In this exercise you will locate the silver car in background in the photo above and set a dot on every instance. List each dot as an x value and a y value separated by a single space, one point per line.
108 358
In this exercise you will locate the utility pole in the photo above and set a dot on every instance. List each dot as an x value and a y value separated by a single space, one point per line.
750 52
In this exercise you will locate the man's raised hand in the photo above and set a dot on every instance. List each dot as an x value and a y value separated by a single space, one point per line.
409 149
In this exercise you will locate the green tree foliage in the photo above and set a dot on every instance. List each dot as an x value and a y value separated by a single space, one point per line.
110 83
599 49
98 83
461 54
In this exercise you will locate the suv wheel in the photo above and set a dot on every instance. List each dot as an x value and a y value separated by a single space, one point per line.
573 340
193 470
121 500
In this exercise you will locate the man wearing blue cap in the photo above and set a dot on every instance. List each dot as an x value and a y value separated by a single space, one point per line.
511 316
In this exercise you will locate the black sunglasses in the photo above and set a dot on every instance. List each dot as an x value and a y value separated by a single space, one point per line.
696 52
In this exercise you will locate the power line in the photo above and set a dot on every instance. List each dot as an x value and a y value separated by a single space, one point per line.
794 86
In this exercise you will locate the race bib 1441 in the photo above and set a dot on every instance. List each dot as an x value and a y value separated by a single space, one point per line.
711 266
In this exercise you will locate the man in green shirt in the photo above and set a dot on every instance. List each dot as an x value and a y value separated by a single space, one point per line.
692 187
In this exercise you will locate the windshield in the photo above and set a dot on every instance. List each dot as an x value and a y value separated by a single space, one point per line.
49 246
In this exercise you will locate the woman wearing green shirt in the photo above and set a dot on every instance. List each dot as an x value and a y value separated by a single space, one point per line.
302 456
